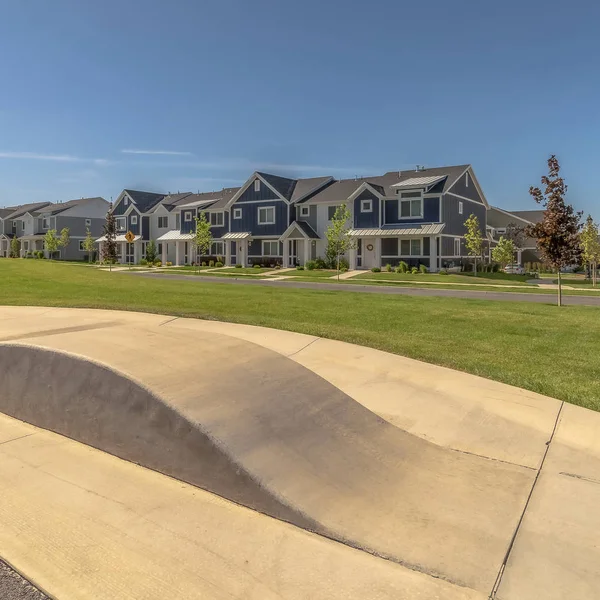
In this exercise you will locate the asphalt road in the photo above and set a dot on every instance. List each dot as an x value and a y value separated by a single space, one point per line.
14 587
389 290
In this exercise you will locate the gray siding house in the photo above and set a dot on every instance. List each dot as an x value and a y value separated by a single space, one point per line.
500 220
17 222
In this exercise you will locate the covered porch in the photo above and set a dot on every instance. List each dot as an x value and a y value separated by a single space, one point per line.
5 246
299 244
415 245
127 253
176 247
31 243
236 248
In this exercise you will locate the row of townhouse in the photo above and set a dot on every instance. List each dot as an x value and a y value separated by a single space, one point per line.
29 223
412 216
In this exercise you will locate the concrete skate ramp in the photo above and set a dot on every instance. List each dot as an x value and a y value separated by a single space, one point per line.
253 426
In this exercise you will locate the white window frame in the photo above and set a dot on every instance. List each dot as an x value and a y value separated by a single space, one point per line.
163 220
257 185
366 206
134 220
125 201
88 222
410 201
215 214
187 217
222 246
121 223
336 206
23 225
261 209
410 248
264 253
457 246
305 211
45 222
460 207
467 179
237 213
81 248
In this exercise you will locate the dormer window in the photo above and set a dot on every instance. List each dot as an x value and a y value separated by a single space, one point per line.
411 205
257 185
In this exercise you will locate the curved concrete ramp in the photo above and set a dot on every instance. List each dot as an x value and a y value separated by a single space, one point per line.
260 429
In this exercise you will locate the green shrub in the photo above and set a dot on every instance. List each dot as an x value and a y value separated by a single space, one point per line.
311 265
143 262
257 266
218 264
402 267
320 263
376 270
443 272
414 270
158 263
299 268
278 266
423 268
388 268
344 264
343 270
204 263
238 266
211 263
169 263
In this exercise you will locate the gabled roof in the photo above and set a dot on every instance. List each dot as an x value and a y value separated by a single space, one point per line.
4 212
419 182
54 209
283 185
305 187
303 227
26 208
209 200
533 216
144 201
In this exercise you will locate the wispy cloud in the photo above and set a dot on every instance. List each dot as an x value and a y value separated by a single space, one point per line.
64 158
156 152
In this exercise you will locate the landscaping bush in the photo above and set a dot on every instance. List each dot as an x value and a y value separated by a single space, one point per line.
414 270
402 267
344 270
376 270
299 268
311 265
495 268
344 264
204 263
143 262
40 254
218 264
423 268
278 266
158 263
320 263
169 263
257 266
443 272
238 266
211 263
388 268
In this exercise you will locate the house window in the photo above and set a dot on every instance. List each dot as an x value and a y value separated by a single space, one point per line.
466 180
14 226
81 248
237 213
163 222
366 206
160 248
177 220
22 225
88 222
217 249
266 215
331 212
456 246
460 208
411 205
134 219
121 223
270 248
410 247
305 211
45 223
187 217
217 219
125 201
257 185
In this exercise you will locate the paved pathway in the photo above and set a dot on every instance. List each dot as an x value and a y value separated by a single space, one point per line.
385 289
14 587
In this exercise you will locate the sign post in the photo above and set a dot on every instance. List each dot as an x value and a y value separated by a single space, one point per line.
130 237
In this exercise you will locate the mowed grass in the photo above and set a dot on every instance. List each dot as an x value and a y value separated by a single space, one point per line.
482 279
535 346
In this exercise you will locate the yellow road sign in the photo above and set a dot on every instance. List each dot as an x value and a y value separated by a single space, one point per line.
129 237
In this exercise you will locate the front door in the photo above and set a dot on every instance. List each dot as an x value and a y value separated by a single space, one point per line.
368 253
293 253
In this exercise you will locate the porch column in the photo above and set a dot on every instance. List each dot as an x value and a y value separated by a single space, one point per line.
243 255
378 252
433 261
227 253
519 257
177 262
286 253
163 256
352 259
307 247
136 252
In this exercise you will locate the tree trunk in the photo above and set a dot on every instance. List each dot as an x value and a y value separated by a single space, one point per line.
474 267
559 288
338 267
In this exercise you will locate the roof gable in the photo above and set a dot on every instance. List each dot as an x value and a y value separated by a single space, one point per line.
282 185
144 200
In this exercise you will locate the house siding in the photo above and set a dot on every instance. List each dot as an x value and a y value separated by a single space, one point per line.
367 219
431 212
188 226
134 227
120 208
455 222
460 188
146 228
265 193
219 232
312 217
255 248
77 227
249 220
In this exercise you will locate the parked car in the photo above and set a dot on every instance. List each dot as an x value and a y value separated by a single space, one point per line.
514 269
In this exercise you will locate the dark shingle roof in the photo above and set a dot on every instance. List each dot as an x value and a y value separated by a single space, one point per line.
219 198
283 185
144 201
54 209
308 230
533 216
25 208
304 187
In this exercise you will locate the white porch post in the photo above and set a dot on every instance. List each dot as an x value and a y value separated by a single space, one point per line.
378 252
352 259
519 253
177 261
136 252
163 256
307 246
286 253
433 262
227 253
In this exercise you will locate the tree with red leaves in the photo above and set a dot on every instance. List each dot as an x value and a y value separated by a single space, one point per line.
557 234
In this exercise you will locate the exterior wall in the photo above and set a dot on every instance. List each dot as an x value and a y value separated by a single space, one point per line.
460 188
431 211
265 193
120 208
134 228
249 220
455 222
155 231
92 209
146 228
77 226
188 226
448 248
368 219
311 219
219 232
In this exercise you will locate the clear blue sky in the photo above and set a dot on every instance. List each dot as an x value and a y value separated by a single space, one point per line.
298 88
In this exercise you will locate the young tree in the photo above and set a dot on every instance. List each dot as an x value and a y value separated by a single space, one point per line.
516 235
203 237
474 240
110 233
338 238
590 247
65 238
89 244
51 242
557 234
15 248
151 253
504 252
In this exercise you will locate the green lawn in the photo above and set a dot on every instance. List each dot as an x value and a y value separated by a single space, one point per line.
246 270
539 347
318 273
482 279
